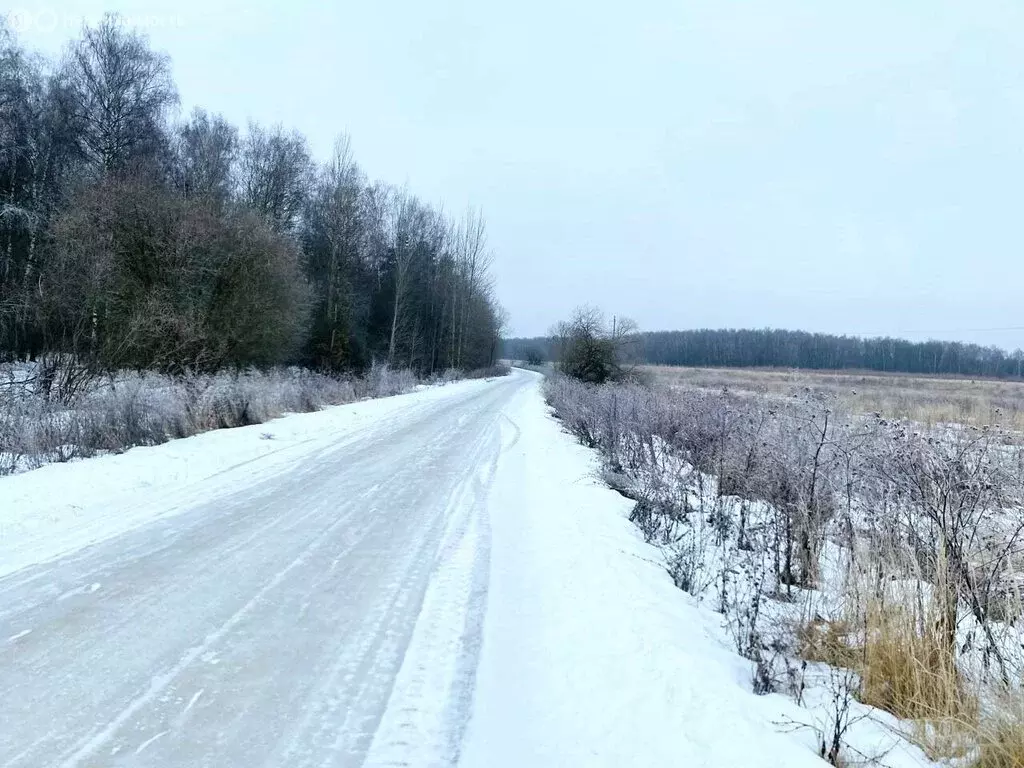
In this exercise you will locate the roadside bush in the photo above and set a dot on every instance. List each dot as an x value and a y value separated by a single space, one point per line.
534 357
587 349
496 370
149 409
383 381
199 291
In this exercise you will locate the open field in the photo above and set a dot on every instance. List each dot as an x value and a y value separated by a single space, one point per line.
927 400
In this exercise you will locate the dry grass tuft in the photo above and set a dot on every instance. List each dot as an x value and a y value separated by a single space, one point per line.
1000 739
830 642
907 669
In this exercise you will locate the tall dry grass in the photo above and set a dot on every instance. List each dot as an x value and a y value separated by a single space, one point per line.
1000 737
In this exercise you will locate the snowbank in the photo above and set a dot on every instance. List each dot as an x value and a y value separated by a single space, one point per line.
591 656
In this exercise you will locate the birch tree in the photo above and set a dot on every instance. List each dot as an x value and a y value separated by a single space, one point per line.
119 91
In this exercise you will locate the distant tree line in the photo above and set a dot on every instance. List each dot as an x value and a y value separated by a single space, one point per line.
130 238
798 349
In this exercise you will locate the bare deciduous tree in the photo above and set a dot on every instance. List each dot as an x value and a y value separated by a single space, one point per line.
274 174
118 90
206 150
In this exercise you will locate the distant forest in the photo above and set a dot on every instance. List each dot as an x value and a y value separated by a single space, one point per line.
730 348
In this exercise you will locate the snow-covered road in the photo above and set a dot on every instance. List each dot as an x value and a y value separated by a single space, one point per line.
267 625
434 579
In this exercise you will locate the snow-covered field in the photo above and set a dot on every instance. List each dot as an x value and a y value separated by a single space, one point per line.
433 579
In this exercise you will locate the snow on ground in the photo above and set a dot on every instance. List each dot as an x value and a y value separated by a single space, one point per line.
59 508
591 656
546 622
265 621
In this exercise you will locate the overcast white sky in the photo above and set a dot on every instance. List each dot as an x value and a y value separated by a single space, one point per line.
851 167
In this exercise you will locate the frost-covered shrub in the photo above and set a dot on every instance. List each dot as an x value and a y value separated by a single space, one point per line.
131 409
766 502
496 370
384 381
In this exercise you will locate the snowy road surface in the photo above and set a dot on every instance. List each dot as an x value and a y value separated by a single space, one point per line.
267 625
425 580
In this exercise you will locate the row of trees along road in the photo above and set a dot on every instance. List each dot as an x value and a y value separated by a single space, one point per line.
130 238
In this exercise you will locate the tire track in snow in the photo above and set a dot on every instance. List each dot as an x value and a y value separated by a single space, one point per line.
430 703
